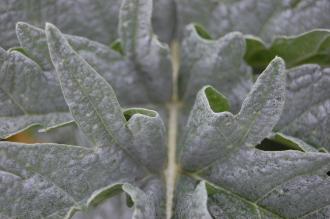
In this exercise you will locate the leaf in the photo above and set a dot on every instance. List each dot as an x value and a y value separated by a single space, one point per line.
100 18
64 179
305 113
144 200
259 113
46 180
215 62
263 18
142 47
95 108
280 141
191 199
241 180
148 203
309 47
24 102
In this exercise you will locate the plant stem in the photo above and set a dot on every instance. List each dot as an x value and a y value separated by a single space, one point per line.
173 108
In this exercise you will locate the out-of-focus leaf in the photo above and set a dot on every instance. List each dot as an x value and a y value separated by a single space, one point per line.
310 47
152 70
99 17
264 18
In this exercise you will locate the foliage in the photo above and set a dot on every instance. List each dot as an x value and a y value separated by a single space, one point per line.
248 117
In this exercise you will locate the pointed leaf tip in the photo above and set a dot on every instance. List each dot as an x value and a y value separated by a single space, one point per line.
278 61
53 33
20 25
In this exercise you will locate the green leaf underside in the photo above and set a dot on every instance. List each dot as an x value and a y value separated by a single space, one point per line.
218 102
280 141
242 180
311 47
24 102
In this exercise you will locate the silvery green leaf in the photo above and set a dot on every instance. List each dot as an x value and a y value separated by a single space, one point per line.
93 104
100 18
29 96
150 57
306 111
216 130
309 47
90 98
148 133
215 62
263 18
191 199
271 184
243 181
46 180
64 179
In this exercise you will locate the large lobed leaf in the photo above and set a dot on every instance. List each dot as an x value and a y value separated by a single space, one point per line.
51 180
241 180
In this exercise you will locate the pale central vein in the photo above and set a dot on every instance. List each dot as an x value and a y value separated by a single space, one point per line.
173 108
